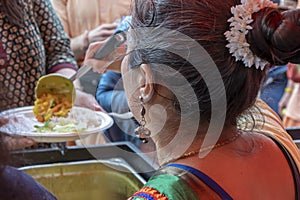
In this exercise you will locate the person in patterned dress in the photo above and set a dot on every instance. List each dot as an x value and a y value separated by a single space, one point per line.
32 44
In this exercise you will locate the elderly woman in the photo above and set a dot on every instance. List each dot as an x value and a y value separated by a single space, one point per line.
191 74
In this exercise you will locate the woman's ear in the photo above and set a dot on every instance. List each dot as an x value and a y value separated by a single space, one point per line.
146 82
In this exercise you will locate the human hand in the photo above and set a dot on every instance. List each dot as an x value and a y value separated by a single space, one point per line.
112 61
87 100
293 72
102 32
15 143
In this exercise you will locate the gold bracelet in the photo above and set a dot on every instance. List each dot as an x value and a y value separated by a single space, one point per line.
288 90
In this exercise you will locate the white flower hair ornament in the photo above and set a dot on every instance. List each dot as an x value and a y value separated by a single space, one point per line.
239 28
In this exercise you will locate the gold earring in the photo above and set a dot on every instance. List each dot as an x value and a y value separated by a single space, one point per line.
142 132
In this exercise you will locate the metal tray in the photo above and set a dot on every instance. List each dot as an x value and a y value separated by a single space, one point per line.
138 161
112 179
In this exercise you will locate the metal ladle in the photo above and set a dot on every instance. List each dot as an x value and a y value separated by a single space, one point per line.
60 84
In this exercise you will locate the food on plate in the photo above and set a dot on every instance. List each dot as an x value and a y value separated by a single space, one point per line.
77 120
22 122
48 105
60 125
16 123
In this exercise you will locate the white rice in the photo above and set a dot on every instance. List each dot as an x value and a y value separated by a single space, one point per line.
79 119
82 118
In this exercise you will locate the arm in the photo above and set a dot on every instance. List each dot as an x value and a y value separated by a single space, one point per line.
110 88
286 97
16 184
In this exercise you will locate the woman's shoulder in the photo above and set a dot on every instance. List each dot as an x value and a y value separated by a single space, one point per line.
271 126
255 163
15 184
251 164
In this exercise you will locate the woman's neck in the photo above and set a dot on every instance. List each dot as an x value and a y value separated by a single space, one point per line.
185 143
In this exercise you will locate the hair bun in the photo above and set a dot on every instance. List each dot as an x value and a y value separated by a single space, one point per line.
275 36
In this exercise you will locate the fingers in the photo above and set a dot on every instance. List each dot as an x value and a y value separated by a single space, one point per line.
97 107
106 33
88 101
102 32
3 121
101 36
111 26
18 142
97 65
93 48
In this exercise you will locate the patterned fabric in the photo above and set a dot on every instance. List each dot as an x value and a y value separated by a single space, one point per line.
165 187
214 186
149 193
28 52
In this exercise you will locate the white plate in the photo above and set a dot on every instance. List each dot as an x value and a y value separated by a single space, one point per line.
22 121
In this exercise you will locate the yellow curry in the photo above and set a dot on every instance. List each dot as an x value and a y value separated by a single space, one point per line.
54 97
49 105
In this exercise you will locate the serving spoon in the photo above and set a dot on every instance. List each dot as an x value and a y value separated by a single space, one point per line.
57 82
60 85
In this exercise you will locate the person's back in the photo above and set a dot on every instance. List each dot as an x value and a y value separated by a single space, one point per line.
239 171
